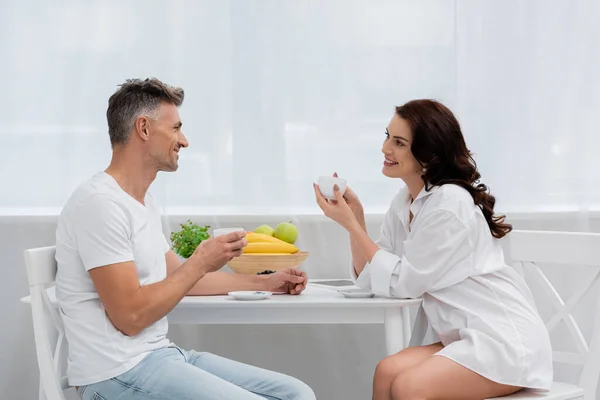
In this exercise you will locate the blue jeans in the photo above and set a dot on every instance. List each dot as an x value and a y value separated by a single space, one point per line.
175 374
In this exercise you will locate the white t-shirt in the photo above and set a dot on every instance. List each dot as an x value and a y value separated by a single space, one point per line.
101 224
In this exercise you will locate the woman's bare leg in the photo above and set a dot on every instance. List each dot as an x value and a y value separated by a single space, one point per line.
390 367
439 378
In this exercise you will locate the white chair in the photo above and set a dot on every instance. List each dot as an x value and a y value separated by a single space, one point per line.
527 250
49 334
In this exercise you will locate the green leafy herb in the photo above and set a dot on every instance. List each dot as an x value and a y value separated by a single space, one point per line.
188 238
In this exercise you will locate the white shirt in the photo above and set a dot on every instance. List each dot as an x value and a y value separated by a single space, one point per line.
480 308
100 225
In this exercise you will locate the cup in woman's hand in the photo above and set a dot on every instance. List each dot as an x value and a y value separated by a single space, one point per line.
326 184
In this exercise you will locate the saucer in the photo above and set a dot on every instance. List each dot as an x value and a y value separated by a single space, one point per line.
250 295
356 293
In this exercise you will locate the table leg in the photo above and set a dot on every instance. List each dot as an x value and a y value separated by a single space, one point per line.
394 331
406 325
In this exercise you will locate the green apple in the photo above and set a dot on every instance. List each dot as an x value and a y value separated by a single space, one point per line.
287 232
265 230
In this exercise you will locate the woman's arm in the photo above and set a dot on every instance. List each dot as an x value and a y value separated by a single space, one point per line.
353 220
359 260
363 248
438 255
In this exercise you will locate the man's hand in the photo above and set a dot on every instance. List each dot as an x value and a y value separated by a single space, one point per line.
289 280
212 254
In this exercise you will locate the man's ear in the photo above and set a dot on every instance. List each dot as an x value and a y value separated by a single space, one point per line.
142 127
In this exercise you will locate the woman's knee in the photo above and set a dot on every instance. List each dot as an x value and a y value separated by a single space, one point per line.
387 369
404 387
390 367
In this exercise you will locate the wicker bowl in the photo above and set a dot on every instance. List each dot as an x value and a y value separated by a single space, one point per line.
251 264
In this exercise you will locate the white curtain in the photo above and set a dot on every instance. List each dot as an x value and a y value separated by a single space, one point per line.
279 92
528 92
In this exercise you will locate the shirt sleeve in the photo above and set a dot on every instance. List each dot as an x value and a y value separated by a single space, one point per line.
385 242
439 254
102 232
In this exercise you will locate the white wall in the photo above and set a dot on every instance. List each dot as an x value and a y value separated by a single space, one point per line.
337 361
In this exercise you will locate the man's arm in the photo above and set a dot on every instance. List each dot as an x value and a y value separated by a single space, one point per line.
132 307
104 242
216 283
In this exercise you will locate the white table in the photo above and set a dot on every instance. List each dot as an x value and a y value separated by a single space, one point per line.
315 305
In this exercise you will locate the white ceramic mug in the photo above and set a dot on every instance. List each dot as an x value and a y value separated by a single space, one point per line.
326 184
225 231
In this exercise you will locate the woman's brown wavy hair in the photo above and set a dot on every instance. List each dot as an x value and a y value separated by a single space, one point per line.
439 146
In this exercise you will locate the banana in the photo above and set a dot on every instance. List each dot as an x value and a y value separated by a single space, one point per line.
253 237
267 254
266 247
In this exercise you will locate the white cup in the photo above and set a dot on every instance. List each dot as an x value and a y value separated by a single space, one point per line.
326 184
225 231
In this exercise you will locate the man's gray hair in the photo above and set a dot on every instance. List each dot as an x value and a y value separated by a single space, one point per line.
135 98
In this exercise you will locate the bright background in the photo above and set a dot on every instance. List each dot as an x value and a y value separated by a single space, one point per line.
279 92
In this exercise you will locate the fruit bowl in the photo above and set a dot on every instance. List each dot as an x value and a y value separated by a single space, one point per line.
251 264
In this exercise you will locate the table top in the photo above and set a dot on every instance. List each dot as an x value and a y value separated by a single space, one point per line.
312 297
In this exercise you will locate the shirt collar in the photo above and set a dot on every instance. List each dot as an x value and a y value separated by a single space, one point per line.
417 204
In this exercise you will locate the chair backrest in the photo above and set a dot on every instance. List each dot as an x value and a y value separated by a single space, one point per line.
50 342
529 249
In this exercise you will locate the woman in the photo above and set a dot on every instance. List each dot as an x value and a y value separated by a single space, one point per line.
439 241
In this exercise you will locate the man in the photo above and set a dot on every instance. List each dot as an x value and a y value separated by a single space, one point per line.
118 278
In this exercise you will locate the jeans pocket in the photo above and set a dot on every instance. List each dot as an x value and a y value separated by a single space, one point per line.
180 350
96 396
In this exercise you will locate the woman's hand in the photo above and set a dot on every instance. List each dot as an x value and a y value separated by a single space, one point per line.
347 211
338 210
352 200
